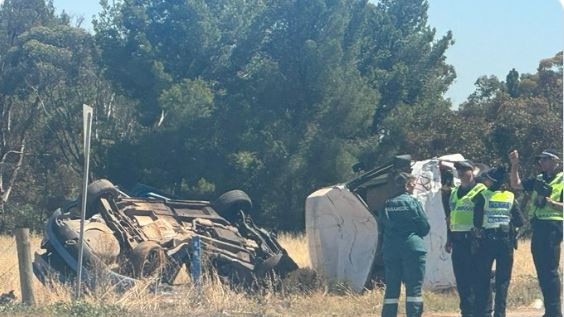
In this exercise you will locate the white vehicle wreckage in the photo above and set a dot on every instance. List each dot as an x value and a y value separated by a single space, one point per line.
342 228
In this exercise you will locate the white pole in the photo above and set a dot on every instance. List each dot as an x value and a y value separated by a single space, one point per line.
87 129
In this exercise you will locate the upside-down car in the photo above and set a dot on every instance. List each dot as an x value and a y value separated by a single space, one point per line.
128 237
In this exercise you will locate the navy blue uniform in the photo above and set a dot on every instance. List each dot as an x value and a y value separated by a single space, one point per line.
546 247
494 244
463 261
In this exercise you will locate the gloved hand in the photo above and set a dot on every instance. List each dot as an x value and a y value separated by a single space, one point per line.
448 246
477 235
475 246
515 237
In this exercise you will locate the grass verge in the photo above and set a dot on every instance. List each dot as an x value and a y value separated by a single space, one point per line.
216 299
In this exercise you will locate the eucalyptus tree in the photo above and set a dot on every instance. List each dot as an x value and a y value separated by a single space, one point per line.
276 97
512 83
260 95
18 109
404 59
47 72
532 121
313 104
523 113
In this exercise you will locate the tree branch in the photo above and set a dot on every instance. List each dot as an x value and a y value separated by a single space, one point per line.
6 193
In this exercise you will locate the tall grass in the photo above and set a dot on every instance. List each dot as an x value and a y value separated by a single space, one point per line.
216 299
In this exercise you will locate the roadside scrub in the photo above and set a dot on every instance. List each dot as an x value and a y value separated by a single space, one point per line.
217 299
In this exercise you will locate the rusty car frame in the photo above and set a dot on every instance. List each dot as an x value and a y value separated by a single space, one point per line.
148 235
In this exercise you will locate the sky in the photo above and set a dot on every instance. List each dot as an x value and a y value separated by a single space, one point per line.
491 36
494 36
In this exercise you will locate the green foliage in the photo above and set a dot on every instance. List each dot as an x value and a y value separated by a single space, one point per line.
512 83
276 98
83 308
20 216
71 309
186 102
47 72
407 65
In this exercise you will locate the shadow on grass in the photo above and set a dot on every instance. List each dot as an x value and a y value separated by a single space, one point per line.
523 291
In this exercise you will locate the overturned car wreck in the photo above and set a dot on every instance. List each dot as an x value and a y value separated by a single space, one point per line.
129 238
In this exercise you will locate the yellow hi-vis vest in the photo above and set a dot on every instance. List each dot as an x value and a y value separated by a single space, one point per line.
462 209
547 212
497 208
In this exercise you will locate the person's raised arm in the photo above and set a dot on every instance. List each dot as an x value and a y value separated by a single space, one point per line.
514 178
554 204
517 218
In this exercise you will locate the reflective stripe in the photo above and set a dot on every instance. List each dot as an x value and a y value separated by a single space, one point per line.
462 209
414 299
461 227
391 301
546 212
497 208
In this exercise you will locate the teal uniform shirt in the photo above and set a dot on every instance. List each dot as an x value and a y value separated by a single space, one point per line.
404 224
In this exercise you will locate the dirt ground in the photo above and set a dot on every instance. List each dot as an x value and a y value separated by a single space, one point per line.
524 312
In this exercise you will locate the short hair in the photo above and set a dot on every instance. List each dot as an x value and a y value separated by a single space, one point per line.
403 178
549 153
464 165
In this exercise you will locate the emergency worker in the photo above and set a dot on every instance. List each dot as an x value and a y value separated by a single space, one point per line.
404 224
496 217
460 218
545 210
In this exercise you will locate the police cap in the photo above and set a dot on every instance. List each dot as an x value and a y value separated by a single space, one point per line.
549 153
495 174
464 165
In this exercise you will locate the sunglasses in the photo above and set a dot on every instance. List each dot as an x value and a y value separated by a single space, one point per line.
544 159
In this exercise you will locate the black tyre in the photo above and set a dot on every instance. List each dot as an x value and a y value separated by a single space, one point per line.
232 201
147 259
96 190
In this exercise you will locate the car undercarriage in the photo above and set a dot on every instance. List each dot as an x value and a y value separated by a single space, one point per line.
130 238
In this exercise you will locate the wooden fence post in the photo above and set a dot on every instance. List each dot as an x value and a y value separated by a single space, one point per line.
24 259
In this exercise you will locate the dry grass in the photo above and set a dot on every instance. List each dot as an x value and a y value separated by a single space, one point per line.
216 299
297 247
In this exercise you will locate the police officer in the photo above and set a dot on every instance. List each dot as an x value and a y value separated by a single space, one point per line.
545 208
404 224
496 216
460 216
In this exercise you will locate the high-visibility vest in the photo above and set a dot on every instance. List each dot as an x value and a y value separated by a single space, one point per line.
548 212
462 209
497 208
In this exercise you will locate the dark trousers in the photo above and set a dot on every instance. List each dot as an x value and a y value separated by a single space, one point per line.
408 267
464 268
498 247
545 247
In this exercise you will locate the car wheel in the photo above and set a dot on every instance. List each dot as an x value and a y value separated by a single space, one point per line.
233 201
96 190
147 259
